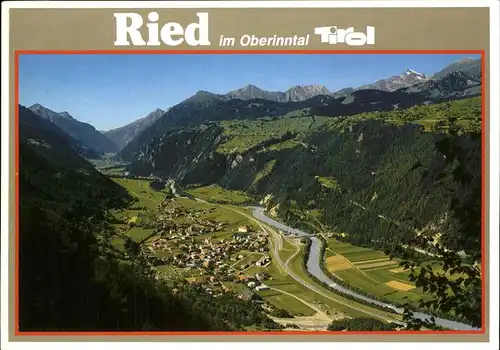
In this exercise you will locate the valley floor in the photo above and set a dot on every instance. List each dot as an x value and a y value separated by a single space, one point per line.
224 248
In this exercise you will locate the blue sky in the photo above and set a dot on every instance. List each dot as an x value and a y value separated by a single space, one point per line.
109 91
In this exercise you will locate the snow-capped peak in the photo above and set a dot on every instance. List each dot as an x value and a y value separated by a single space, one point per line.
417 75
411 71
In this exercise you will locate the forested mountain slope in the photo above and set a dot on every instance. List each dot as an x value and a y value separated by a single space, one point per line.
83 133
123 135
329 168
71 278
205 106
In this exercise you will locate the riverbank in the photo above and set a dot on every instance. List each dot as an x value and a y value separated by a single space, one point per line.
314 267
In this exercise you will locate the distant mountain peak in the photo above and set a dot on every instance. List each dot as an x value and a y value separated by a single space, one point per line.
83 132
309 87
203 96
468 65
251 87
43 111
65 115
304 92
153 115
121 136
36 105
247 89
47 112
294 94
411 71
406 79
203 92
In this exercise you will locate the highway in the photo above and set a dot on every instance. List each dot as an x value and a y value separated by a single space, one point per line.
314 268
277 245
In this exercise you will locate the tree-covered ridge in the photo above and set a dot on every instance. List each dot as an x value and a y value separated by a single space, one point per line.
207 107
376 199
368 157
83 133
467 112
371 170
72 279
52 142
243 135
360 324
352 175
458 287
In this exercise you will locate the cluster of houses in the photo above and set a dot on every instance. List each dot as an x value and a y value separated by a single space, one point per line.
255 242
171 210
264 261
216 285
253 283
191 225
214 254
212 261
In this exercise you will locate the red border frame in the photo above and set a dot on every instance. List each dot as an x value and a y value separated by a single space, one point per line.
247 52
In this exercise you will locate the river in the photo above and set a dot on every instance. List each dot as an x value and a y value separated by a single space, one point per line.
314 267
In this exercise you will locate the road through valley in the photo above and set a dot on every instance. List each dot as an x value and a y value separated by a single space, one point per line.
314 268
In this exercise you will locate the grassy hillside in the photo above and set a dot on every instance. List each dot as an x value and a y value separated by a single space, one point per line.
352 174
207 107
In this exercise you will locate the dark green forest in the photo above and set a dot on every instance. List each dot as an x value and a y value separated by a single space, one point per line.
377 199
394 171
386 180
360 324
71 278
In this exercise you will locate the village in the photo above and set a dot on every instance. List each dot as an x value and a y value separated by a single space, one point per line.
213 254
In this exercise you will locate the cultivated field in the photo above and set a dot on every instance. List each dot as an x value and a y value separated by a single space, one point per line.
371 271
280 281
141 190
218 194
285 292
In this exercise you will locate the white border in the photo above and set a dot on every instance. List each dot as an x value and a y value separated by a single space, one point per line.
494 133
494 194
5 179
246 4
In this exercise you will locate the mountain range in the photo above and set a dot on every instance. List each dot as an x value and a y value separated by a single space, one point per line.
123 135
457 80
302 93
372 165
205 106
50 141
294 94
82 133
468 65
407 78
